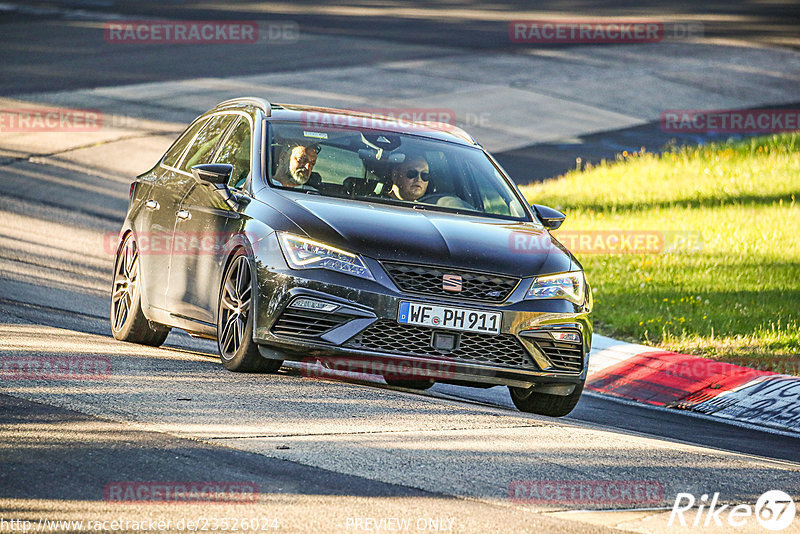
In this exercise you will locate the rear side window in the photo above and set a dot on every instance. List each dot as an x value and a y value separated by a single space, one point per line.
236 152
203 146
173 155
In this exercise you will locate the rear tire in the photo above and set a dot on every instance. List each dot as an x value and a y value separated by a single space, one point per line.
128 322
526 400
420 385
235 317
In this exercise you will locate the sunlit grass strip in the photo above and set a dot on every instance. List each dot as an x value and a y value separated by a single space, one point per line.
736 297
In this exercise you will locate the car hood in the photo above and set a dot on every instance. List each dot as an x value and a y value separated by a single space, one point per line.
411 235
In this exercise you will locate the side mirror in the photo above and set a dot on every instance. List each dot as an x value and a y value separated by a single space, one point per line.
551 219
217 175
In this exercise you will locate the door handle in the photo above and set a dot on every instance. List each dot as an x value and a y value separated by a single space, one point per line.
152 205
185 215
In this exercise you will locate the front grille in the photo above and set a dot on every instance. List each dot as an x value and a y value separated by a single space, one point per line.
306 323
565 356
395 338
428 281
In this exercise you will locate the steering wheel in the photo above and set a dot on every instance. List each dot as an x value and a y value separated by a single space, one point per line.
446 200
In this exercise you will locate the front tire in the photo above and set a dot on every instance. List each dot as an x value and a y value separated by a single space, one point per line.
527 400
235 317
128 322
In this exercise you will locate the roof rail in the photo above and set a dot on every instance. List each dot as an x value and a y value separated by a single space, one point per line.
253 100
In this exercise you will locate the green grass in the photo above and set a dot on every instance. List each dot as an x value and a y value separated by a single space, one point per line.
736 296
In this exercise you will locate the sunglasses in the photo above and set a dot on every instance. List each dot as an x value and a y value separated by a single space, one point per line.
413 173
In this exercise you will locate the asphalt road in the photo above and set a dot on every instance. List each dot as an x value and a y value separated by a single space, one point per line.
326 453
738 58
65 60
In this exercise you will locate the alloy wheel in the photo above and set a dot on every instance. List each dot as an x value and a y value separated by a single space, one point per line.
126 278
235 309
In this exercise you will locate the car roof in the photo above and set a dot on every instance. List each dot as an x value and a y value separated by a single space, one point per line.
331 117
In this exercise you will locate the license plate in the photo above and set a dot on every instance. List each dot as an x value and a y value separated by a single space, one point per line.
449 318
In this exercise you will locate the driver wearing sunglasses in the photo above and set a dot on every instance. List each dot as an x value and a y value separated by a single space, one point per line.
410 179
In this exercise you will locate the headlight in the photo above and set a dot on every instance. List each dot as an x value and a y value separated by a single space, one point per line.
569 286
304 253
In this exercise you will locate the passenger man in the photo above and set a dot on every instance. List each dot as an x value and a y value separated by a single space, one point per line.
295 165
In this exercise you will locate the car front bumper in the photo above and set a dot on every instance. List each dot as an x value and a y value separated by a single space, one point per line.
367 310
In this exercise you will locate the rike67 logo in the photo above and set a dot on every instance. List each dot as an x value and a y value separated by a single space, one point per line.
774 510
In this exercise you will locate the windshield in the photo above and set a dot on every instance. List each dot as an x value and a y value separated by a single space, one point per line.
391 168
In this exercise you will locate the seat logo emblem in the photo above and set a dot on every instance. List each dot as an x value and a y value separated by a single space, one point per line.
452 282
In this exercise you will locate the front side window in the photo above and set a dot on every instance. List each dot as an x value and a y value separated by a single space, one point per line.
202 148
173 155
493 198
236 151
388 167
